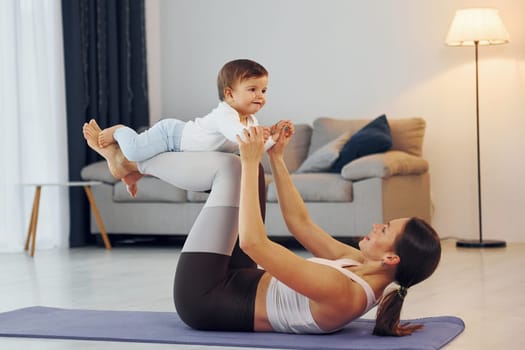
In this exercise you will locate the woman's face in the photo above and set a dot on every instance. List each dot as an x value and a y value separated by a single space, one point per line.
380 241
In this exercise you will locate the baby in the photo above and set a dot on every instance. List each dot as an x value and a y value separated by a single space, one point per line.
241 85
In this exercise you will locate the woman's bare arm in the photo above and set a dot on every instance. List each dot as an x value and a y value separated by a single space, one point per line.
296 215
321 283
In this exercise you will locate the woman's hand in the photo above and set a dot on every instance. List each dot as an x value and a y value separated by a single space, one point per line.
284 130
267 133
275 129
252 147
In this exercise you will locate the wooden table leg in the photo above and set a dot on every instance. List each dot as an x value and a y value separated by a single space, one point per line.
31 231
101 227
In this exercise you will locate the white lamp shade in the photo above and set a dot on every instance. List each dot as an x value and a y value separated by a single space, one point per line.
482 25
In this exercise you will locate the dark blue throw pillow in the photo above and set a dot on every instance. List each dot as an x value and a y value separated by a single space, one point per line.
374 137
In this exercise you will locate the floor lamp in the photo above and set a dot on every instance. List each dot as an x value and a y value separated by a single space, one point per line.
477 27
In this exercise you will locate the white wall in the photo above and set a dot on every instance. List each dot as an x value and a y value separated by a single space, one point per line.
355 59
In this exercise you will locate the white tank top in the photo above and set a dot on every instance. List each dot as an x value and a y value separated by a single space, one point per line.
289 311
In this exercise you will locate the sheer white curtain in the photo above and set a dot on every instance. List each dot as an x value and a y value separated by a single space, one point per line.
33 143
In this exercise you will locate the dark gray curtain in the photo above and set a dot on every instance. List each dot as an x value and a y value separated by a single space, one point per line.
106 79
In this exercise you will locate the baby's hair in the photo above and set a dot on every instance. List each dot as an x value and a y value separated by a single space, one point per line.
237 71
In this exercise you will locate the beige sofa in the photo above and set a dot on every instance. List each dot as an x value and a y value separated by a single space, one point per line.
372 189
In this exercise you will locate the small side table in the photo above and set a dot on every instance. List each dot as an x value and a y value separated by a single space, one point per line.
31 232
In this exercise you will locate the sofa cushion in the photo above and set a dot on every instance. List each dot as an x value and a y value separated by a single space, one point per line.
374 137
407 133
150 189
318 187
383 165
296 151
198 197
323 159
98 171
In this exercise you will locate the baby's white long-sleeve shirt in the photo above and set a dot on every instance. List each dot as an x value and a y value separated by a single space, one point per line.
217 131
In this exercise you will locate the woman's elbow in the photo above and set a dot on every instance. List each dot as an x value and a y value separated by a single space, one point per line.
245 245
250 245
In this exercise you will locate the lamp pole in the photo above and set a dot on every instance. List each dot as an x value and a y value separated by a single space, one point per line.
479 243
480 220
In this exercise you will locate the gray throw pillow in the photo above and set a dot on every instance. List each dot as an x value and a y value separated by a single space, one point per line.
323 159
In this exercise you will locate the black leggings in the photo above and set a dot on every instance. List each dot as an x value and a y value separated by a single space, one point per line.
214 291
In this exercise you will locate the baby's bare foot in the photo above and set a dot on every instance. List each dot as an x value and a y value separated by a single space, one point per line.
118 165
132 190
90 134
131 182
105 137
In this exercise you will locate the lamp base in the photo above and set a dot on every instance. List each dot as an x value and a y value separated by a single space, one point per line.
476 243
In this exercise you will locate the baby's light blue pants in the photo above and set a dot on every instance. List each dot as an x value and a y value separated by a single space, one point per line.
163 136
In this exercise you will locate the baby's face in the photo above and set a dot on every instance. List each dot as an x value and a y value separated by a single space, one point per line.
249 95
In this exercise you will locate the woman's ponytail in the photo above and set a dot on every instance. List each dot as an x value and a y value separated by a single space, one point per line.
389 313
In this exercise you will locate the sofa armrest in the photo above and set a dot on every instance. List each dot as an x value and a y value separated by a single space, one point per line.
97 171
384 165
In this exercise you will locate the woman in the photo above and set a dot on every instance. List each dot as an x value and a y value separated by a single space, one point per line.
218 287
292 294
341 283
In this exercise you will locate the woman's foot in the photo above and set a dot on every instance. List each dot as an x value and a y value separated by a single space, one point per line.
118 165
105 137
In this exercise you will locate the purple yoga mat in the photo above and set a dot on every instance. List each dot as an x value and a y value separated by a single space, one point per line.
167 328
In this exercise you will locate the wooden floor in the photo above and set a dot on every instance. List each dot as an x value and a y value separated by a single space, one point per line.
486 288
